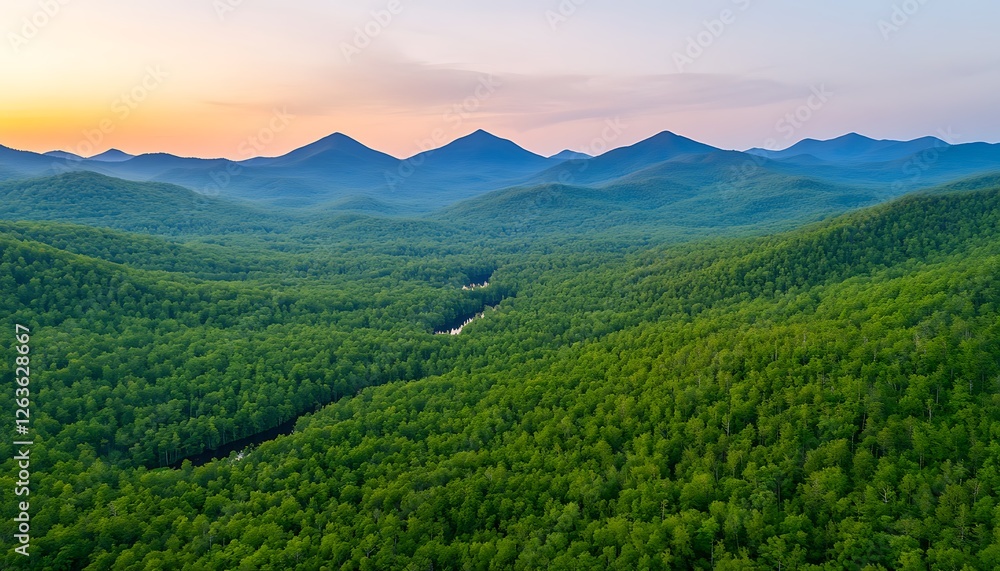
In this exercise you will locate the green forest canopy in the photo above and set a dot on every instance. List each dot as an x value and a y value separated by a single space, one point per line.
824 398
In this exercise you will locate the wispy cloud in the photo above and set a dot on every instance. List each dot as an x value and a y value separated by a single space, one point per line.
400 86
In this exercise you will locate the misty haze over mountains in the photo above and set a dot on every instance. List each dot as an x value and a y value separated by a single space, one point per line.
338 173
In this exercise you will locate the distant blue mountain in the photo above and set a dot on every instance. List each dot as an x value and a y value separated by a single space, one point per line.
466 167
853 148
335 151
339 173
152 166
569 155
22 164
112 156
63 155
482 149
625 160
659 147
943 164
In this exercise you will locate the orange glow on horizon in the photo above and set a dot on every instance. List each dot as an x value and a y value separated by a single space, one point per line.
186 79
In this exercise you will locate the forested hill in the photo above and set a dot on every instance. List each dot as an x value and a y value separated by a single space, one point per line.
820 399
146 207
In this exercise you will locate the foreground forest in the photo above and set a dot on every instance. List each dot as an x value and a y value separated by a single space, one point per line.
825 398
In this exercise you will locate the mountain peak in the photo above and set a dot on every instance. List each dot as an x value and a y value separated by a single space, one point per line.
666 145
852 136
853 147
481 136
333 140
112 156
338 136
483 145
667 135
333 149
484 133
568 155
62 155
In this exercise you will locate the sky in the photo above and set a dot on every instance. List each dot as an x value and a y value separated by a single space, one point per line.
240 78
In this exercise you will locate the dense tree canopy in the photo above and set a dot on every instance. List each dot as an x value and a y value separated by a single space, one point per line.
820 399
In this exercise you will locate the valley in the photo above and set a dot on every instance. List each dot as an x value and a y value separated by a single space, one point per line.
665 364
500 286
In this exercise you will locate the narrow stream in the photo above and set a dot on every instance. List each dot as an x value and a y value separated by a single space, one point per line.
458 330
288 427
238 445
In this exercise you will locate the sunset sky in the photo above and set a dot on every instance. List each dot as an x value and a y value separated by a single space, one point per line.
204 77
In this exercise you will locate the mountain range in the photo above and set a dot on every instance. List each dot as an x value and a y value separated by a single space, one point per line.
242 366
854 148
339 174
